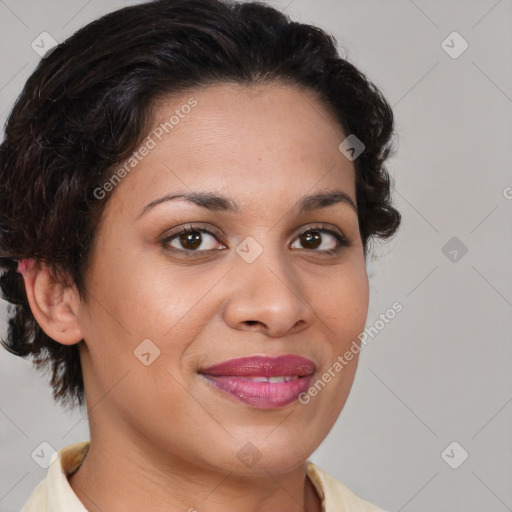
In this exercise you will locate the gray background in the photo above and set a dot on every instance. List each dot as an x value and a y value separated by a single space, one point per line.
440 371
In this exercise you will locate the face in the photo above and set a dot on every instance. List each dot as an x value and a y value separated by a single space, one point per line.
179 285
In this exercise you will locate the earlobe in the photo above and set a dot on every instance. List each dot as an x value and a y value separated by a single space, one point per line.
53 304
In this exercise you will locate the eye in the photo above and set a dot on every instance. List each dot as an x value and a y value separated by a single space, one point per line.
321 239
199 239
192 239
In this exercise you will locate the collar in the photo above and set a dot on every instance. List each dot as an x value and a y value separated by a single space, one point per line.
54 493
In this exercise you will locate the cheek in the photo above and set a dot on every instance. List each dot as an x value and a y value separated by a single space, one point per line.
145 298
342 301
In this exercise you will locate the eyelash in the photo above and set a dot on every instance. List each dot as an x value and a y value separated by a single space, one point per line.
342 241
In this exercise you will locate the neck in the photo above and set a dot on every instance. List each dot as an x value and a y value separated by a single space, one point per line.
118 475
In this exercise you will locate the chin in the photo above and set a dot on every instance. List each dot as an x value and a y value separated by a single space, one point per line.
276 452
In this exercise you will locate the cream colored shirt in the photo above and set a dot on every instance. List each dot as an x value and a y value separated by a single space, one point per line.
54 494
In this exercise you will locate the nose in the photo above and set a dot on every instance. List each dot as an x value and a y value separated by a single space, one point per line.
266 296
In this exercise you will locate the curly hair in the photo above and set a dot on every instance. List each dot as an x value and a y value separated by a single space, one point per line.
89 104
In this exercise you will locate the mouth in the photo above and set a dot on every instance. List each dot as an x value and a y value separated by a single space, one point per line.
260 381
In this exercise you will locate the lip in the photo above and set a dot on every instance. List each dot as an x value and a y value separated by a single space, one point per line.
234 377
264 366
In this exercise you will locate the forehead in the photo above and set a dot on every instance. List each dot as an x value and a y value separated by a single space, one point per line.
273 138
226 114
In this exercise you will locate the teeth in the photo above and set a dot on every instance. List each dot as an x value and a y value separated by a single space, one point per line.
272 379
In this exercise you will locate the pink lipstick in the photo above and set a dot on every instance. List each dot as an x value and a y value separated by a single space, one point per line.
262 381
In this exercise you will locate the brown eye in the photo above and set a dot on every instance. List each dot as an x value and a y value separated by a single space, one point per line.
311 239
190 239
321 240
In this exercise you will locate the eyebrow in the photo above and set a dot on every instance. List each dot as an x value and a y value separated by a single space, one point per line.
217 202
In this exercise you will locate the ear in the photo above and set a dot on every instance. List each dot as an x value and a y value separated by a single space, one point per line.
55 305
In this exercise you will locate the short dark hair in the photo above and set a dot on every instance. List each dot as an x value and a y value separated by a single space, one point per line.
90 102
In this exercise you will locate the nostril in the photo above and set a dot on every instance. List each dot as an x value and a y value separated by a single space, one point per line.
251 322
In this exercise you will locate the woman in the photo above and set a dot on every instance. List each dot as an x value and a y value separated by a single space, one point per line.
189 191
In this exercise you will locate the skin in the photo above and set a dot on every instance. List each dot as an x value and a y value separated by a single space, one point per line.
162 437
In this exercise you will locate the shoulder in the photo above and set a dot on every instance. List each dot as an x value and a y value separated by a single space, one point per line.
53 493
38 500
335 495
